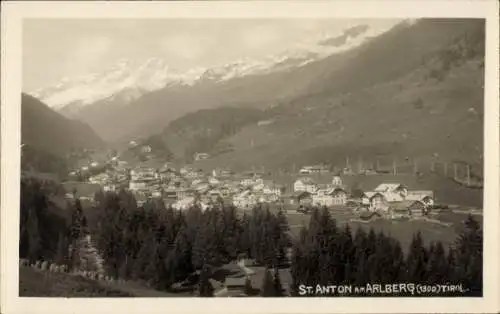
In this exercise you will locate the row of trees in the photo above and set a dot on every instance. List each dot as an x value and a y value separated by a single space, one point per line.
46 230
162 246
327 254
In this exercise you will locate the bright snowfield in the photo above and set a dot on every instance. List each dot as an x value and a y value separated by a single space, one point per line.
129 79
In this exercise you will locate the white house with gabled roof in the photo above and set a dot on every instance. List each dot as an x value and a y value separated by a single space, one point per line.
330 197
375 201
337 181
305 185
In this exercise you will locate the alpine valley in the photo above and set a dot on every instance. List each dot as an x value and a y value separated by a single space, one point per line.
414 89
142 96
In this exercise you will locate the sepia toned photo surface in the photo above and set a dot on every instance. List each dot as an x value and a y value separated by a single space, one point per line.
259 157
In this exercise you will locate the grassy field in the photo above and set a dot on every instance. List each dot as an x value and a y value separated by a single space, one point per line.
401 230
33 283
446 191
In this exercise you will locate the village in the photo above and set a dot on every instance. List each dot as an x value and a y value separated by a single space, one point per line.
297 194
186 186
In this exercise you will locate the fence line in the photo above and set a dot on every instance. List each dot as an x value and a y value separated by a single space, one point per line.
466 174
45 266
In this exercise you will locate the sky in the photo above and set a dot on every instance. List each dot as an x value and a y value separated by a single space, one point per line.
57 48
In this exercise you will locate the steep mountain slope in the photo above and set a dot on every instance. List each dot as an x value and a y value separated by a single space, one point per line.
386 57
415 92
403 49
45 130
206 130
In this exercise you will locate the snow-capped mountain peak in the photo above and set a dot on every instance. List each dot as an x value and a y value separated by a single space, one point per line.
127 79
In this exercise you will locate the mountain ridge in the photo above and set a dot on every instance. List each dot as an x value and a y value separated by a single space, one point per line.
44 129
151 107
154 73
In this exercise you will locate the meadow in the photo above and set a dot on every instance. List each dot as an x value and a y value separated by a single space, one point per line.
403 230
34 283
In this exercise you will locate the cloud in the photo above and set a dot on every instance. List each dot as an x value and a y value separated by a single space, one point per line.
92 48
185 46
259 37
88 52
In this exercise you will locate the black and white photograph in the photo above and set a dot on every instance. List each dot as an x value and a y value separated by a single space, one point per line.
283 157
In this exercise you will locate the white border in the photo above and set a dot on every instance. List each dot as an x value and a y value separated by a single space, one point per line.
14 12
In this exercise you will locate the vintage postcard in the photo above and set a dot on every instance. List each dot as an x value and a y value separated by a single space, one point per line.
250 157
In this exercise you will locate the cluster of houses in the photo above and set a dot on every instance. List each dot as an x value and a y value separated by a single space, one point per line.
182 188
387 198
396 199
245 279
256 190
194 187
309 193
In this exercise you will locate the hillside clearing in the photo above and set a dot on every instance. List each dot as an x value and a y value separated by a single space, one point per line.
33 283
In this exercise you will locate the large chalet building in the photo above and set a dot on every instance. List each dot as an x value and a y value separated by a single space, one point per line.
396 197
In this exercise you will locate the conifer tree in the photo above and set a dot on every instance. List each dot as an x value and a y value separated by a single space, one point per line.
281 237
469 258
34 238
303 236
268 285
347 249
297 270
437 264
314 226
328 258
383 258
256 230
77 231
269 247
451 267
123 270
181 255
154 269
398 267
278 288
77 221
361 268
205 247
62 250
205 288
109 233
371 242
229 233
248 290
244 237
417 260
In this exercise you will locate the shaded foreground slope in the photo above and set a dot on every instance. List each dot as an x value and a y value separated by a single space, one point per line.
46 130
34 283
